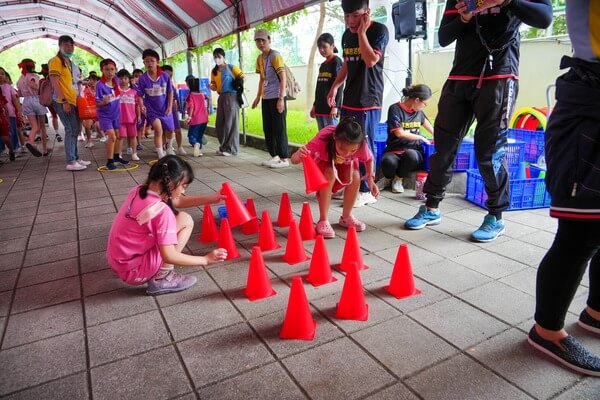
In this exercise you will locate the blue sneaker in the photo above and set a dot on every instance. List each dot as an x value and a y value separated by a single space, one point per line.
489 230
121 161
423 218
111 166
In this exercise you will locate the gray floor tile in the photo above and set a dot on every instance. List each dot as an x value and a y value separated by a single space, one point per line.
93 245
255 309
418 257
101 281
97 210
52 238
53 227
118 304
43 323
337 370
8 223
5 299
56 208
46 294
520 251
157 374
205 286
41 361
13 245
446 246
70 387
95 231
452 277
429 295
11 261
375 240
57 216
48 272
491 264
94 262
585 390
395 392
523 280
221 354
54 253
14 233
9 278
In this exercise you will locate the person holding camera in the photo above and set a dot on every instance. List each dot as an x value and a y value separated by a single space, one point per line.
227 80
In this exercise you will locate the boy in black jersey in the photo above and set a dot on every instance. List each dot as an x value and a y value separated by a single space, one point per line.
482 85
363 44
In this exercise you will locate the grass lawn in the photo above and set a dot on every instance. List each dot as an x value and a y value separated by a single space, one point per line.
299 131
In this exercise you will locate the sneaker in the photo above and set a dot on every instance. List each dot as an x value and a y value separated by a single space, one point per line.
111 166
33 150
220 153
587 322
397 186
47 153
121 161
134 157
383 183
139 147
129 151
160 153
58 138
423 218
170 151
352 221
324 229
23 149
363 199
228 154
75 167
103 139
11 155
339 195
181 151
84 163
204 140
89 145
270 161
173 282
489 230
572 354
284 163
197 151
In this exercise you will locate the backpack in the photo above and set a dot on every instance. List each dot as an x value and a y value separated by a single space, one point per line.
292 87
46 92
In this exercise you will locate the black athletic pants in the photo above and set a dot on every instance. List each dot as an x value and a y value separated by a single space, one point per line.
274 126
401 165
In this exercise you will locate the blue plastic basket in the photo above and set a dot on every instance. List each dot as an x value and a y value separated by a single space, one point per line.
524 193
465 157
381 134
514 154
534 142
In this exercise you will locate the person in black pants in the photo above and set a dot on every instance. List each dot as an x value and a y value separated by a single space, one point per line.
404 151
573 180
482 85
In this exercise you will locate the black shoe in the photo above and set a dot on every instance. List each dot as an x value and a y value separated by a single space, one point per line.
58 138
587 322
11 155
33 150
574 355
38 139
47 153
121 161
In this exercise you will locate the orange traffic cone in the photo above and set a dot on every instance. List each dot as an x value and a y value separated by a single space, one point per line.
402 282
208 231
313 177
352 252
226 240
294 251
298 323
258 285
251 226
236 211
285 211
266 236
352 303
319 272
307 226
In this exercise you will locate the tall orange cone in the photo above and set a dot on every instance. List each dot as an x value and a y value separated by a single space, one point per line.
352 252
319 272
266 236
307 225
352 303
294 250
258 284
208 231
285 211
298 323
402 282
313 177
226 240
236 211
251 226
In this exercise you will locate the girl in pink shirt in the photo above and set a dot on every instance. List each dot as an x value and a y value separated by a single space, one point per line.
130 114
197 115
337 151
149 233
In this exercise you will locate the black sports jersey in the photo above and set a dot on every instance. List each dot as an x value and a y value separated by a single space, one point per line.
328 71
411 121
364 86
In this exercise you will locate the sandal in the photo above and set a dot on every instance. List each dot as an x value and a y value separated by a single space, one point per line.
324 229
351 221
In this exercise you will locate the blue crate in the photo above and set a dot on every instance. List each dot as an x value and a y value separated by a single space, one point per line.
524 193
465 157
379 149
514 154
381 134
535 142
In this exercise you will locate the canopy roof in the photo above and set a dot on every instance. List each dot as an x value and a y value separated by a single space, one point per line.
122 29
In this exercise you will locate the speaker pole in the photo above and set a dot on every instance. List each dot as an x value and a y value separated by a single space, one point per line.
409 72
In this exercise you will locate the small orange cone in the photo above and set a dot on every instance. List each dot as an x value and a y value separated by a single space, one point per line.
285 211
226 240
251 226
313 177
258 285
402 282
236 211
208 231
319 272
352 303
298 323
307 226
294 250
352 252
266 236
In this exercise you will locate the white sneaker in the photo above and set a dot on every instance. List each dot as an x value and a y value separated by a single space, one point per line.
219 153
170 151
197 151
364 199
103 139
129 150
160 153
226 154
84 163
181 151
397 186
383 183
134 157
270 161
75 167
89 145
280 164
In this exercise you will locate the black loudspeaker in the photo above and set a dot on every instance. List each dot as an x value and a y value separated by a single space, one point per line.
410 19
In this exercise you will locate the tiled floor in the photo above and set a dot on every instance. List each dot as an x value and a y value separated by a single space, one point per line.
71 330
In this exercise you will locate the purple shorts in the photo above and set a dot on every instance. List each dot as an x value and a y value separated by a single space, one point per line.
141 122
108 124
165 120
176 124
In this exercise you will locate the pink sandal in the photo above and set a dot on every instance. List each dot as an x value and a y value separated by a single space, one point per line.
351 221
324 229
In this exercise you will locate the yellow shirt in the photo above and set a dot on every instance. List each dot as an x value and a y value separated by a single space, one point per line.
216 79
67 78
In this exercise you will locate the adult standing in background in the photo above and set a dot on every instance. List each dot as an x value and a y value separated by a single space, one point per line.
222 80
64 75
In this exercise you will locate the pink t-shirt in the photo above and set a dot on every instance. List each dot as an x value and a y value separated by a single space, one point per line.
8 92
318 147
128 241
23 84
128 114
199 114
